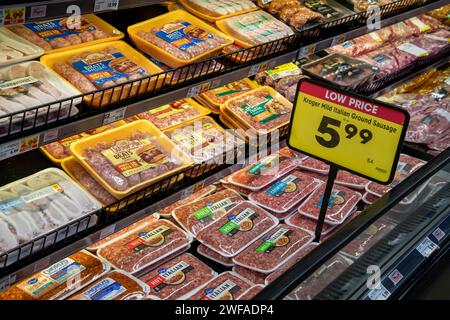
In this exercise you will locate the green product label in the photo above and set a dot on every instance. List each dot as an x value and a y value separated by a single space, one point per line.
236 222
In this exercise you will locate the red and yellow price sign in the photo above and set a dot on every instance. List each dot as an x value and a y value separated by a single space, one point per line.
13 16
353 132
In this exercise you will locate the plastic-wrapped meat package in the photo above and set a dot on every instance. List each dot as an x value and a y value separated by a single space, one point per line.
412 102
199 214
145 246
254 28
326 274
341 204
406 166
214 256
227 185
60 280
220 95
251 275
423 23
30 84
237 229
291 262
60 33
251 293
130 157
300 221
401 30
369 198
315 165
174 113
167 211
441 14
274 248
225 286
14 49
350 180
116 285
95 246
433 42
440 143
262 109
342 70
425 127
203 140
40 203
383 58
82 70
363 242
213 9
359 45
79 174
178 278
288 86
286 192
260 174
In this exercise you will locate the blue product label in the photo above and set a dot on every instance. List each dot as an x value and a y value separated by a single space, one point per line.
7 206
100 68
52 29
106 289
336 198
379 58
183 35
281 186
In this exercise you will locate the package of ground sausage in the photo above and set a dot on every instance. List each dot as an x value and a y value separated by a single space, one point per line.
116 285
225 286
214 256
237 229
251 275
145 246
351 180
282 195
197 215
260 174
274 248
341 204
227 185
300 221
315 165
178 278
60 280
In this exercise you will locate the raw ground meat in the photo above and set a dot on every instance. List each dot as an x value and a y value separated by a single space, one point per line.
369 198
350 180
300 221
252 292
236 230
242 191
384 58
178 278
145 246
342 202
214 256
315 165
226 286
251 275
425 127
199 214
273 249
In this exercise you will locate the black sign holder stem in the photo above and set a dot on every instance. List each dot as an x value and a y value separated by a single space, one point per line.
326 199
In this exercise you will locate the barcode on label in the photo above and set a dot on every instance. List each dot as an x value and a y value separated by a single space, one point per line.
380 293
427 247
106 5
114 116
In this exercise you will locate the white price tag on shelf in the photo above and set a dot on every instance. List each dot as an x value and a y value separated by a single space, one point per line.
101 5
109 230
439 234
338 39
7 281
38 12
260 67
427 247
114 116
12 148
305 51
50 135
196 90
380 293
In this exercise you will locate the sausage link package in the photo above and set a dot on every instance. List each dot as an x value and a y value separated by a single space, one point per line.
60 280
212 10
237 229
145 246
102 66
116 285
258 175
406 166
274 248
252 292
251 275
206 191
214 256
178 278
197 215
150 218
203 140
225 286
291 262
40 203
130 157
28 85
67 33
341 204
254 28
59 150
177 38
172 114
262 109
329 271
14 49
286 192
